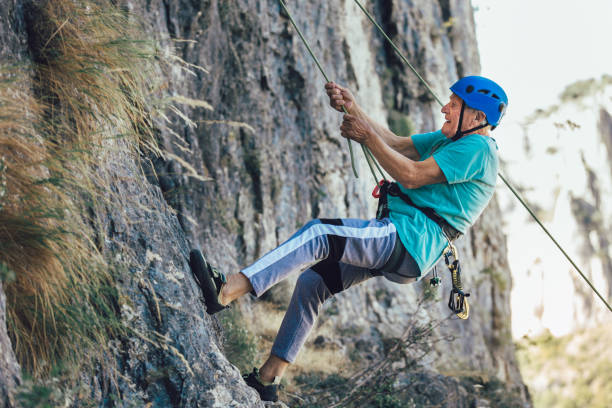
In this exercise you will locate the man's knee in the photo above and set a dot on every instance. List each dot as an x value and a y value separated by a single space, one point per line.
329 272
310 286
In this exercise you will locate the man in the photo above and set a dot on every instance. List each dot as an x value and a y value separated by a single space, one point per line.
444 179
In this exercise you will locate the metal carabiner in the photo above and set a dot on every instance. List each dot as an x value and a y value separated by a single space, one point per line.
457 301
376 191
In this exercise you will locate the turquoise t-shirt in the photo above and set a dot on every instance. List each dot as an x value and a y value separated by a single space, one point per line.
470 166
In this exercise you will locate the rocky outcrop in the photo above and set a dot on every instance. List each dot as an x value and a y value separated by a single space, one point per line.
170 354
268 157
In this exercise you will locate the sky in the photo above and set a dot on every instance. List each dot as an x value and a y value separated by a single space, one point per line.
534 48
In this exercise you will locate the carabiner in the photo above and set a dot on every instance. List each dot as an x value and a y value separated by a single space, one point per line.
376 191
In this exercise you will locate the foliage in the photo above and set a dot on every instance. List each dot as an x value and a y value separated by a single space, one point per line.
492 390
239 343
583 88
90 86
498 277
568 371
400 124
375 385
574 92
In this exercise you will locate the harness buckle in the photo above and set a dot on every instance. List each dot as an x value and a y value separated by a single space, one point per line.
376 191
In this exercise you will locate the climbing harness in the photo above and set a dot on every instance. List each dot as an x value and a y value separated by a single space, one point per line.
386 188
514 192
457 302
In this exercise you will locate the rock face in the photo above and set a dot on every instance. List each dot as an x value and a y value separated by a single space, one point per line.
171 356
272 151
11 46
10 375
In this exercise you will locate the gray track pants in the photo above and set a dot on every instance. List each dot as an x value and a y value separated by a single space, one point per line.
333 255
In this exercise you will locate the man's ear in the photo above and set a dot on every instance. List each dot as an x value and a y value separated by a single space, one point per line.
480 116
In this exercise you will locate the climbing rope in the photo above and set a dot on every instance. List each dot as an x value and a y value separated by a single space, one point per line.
431 91
367 153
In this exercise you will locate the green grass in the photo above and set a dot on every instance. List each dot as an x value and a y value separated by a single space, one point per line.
240 345
569 371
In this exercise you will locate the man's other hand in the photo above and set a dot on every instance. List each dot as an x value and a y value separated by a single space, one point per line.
356 129
339 97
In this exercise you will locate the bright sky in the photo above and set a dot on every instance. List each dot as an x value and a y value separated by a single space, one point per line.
534 48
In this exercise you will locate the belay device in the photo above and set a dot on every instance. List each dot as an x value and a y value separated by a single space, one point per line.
457 301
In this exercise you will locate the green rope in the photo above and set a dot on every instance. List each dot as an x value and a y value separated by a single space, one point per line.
324 75
382 173
368 157
499 173
555 241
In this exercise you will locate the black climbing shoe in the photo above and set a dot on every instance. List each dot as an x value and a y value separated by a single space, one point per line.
266 392
209 280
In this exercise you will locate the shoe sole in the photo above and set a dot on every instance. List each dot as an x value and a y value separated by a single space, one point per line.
201 272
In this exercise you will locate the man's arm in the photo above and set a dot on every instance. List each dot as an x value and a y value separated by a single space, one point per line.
339 97
409 173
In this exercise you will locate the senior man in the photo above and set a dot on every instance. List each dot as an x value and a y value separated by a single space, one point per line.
444 180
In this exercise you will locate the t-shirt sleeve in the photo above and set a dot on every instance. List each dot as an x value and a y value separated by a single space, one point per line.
464 160
424 142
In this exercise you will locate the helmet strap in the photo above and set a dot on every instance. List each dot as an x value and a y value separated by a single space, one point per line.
459 134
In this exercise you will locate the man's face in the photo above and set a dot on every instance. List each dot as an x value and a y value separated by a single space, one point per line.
451 112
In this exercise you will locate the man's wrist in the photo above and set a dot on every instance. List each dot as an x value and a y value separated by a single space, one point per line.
355 110
371 139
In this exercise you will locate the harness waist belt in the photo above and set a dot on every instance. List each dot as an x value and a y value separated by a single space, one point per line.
393 189
396 258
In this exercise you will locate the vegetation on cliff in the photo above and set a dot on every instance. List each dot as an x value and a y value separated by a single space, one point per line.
90 86
569 371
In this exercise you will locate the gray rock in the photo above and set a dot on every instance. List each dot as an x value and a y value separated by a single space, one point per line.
10 372
12 49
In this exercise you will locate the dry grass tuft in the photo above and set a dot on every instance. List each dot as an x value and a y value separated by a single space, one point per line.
57 281
93 70
90 87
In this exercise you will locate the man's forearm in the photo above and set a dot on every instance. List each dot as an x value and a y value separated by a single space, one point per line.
399 167
409 173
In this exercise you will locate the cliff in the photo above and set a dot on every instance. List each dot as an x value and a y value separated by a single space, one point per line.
239 173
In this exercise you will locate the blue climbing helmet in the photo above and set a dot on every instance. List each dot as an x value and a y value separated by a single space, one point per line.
482 94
